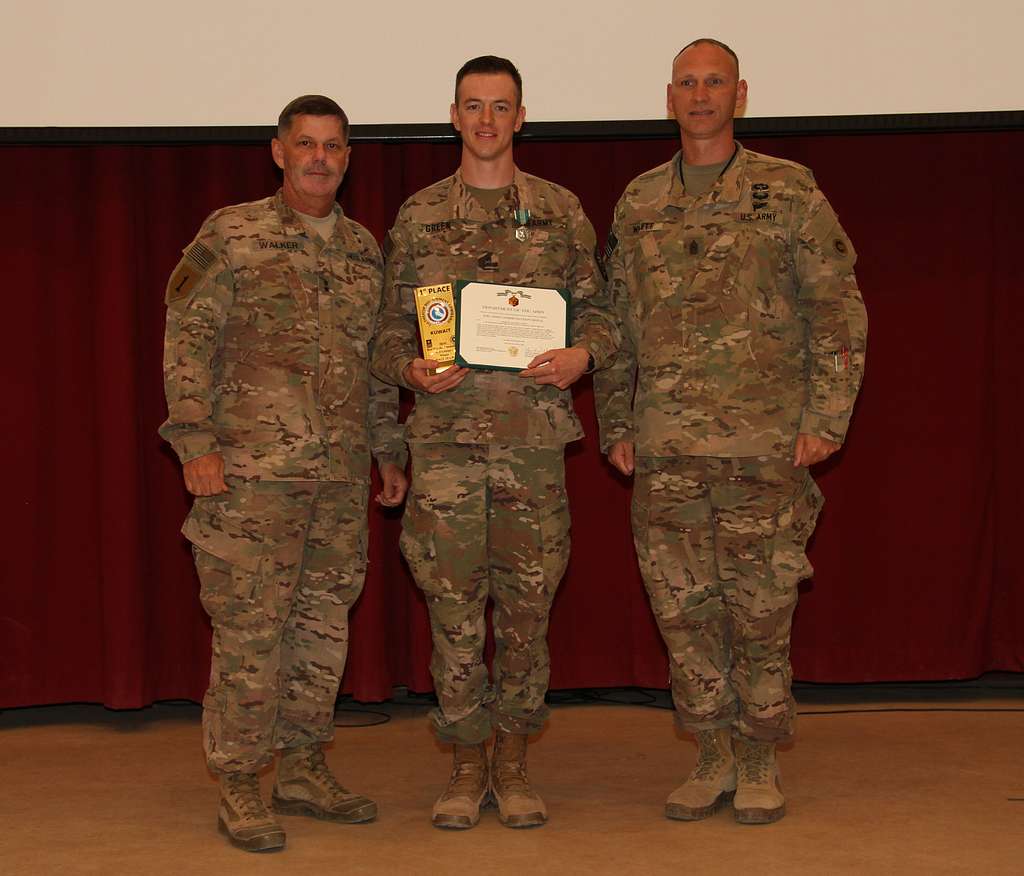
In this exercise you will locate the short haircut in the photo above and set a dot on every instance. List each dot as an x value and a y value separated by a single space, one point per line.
310 105
490 64
713 42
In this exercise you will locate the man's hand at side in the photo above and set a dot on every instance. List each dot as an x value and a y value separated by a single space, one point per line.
204 475
811 449
395 486
621 456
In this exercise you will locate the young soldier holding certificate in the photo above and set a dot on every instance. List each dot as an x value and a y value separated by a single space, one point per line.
487 515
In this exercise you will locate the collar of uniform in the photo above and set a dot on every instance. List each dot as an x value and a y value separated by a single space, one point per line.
462 205
292 225
730 185
726 190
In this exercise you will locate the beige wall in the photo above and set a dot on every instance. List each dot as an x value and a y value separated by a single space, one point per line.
204 62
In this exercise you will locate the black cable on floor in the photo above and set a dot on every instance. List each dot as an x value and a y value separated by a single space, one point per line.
377 718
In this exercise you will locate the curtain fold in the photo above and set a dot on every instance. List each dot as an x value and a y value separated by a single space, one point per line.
916 570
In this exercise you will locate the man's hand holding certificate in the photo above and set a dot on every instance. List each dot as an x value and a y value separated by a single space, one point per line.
561 368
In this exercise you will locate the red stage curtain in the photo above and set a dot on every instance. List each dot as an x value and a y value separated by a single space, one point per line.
916 569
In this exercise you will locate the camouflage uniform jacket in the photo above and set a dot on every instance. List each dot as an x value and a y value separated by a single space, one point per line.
742 321
442 234
266 352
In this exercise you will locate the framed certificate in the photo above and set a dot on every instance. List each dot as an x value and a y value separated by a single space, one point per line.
501 328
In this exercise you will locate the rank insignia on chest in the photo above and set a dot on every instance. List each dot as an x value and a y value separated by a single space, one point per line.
522 234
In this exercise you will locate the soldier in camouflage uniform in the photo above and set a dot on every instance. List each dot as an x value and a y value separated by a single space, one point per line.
487 514
744 333
274 415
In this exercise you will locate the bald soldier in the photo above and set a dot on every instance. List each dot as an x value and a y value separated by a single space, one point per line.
274 415
487 515
745 334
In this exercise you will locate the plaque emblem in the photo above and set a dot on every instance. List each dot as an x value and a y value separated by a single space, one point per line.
437 312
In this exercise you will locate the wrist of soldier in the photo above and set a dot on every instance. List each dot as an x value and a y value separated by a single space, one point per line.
196 446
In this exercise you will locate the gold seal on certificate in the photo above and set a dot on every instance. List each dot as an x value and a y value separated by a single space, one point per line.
435 307
502 328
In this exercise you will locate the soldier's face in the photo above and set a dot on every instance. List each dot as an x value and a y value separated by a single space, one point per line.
705 93
313 156
487 113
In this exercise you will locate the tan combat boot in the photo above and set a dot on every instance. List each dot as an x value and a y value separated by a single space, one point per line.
243 816
759 797
518 805
458 808
712 782
305 786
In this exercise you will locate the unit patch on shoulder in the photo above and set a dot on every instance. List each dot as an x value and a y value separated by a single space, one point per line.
198 259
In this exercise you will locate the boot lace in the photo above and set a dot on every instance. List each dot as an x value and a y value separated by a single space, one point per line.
319 770
513 779
754 763
464 780
709 758
245 795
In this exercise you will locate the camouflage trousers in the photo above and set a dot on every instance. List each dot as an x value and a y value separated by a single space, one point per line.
721 548
485 520
280 564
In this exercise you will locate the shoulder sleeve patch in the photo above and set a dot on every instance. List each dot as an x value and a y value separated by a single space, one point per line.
823 233
194 265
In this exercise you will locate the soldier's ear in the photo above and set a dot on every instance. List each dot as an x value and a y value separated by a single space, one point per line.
455 117
277 150
741 96
520 117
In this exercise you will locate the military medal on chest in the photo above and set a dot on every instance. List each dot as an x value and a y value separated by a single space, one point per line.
522 218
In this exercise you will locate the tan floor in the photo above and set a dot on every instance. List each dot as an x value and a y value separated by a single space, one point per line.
88 790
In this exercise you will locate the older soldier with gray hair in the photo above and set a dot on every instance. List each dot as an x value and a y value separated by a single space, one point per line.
487 516
273 412
744 333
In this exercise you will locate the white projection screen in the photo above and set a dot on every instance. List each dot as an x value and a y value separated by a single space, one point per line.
114 63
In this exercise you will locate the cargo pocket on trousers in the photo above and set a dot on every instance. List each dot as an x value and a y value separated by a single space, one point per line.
228 559
417 544
650 541
554 522
794 525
